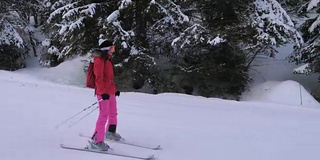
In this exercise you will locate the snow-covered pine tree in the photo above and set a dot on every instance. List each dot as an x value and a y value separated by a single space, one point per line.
309 53
18 22
127 24
76 28
274 26
13 36
143 32
205 59
247 28
33 12
197 47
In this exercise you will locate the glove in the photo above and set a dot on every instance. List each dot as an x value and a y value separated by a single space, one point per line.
105 96
117 93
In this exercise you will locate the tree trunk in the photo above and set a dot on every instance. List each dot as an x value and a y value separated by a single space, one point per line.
141 24
33 45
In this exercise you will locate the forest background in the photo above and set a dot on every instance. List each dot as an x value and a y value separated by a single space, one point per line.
198 47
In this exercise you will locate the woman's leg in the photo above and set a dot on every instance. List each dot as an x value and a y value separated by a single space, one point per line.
101 121
112 116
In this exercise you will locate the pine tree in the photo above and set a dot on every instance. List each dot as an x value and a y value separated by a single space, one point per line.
18 21
197 47
206 60
248 27
142 32
129 27
13 41
76 27
309 52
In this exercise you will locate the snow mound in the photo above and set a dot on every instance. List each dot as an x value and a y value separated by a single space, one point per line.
67 73
285 92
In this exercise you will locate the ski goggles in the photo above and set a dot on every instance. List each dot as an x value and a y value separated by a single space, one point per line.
111 48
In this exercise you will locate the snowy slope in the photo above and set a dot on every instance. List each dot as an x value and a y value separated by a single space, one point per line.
187 127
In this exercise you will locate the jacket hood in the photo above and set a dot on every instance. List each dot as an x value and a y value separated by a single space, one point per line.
97 52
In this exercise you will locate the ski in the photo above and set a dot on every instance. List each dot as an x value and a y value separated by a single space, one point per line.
123 141
86 149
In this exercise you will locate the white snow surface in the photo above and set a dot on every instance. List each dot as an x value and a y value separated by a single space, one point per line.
216 40
312 4
304 69
35 100
9 35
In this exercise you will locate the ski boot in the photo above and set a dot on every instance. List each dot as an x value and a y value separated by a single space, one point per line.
113 136
102 146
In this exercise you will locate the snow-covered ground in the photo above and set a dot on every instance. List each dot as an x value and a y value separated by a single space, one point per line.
34 101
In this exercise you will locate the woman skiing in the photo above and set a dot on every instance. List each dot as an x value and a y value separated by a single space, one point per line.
106 92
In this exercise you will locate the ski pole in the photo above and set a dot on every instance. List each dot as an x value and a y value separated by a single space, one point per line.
76 115
82 117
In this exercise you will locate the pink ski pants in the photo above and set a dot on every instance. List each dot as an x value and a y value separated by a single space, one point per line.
107 113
